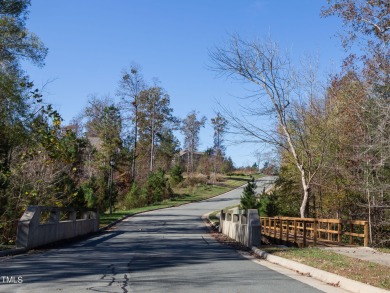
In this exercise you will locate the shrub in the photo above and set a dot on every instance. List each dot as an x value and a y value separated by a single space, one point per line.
134 198
217 178
176 175
157 187
197 179
88 189
248 198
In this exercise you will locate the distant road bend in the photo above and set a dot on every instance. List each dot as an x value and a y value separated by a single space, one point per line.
161 251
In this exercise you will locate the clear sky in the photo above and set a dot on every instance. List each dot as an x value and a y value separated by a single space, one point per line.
91 41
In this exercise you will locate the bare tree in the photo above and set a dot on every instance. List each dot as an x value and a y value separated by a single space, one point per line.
130 87
277 95
190 128
220 126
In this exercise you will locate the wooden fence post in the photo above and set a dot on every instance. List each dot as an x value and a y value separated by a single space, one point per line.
275 228
280 231
339 231
304 233
287 231
315 232
366 237
350 236
269 227
295 231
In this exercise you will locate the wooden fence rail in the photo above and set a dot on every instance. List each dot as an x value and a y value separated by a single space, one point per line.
295 230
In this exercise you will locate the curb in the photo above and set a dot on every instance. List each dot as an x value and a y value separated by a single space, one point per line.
326 277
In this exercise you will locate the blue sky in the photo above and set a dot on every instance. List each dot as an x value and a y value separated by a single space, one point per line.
91 41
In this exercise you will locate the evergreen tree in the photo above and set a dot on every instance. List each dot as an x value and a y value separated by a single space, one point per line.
248 197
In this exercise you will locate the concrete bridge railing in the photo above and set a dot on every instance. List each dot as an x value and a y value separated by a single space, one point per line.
241 226
44 225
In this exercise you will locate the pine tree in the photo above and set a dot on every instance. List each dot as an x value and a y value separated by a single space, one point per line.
248 197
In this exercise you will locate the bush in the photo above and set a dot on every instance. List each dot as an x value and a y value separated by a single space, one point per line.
134 198
217 178
157 187
175 175
248 198
269 207
194 180
88 189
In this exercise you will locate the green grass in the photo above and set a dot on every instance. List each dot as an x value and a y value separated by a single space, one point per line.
363 271
182 196
384 250
108 218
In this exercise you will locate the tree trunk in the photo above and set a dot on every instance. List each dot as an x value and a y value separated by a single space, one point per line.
152 139
306 189
135 143
188 162
152 149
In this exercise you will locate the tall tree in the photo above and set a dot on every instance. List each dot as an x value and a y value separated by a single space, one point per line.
130 87
16 41
220 125
154 113
263 65
190 127
103 129
168 146
367 24
17 99
368 18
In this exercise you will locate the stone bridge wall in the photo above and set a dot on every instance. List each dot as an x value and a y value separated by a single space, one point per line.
244 228
42 225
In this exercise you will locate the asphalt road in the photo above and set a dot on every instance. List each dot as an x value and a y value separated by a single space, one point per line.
161 251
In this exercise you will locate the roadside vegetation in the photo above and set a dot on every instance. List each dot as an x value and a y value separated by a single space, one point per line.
112 156
331 137
184 195
363 271
384 249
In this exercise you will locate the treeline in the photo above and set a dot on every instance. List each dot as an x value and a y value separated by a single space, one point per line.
333 138
343 136
112 154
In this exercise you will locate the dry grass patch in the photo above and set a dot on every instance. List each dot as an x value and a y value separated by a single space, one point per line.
363 271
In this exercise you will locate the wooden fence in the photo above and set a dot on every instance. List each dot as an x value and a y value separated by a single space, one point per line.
302 231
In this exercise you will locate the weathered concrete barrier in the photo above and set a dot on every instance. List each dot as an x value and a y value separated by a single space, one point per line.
243 227
43 225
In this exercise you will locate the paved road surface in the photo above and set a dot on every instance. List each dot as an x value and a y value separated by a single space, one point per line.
162 251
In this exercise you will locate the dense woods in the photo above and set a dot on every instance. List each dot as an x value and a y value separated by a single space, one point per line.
112 155
332 137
